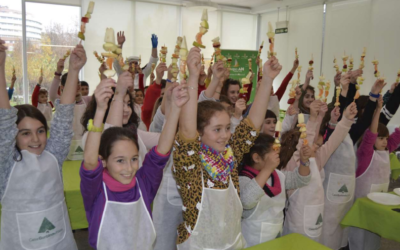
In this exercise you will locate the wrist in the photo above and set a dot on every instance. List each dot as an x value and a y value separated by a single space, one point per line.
374 95
305 162
100 111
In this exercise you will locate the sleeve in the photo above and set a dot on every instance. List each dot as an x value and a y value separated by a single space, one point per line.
150 139
203 97
338 135
391 107
243 139
357 130
288 123
151 171
394 140
347 100
8 133
35 95
91 184
365 152
386 97
141 82
234 123
281 90
293 180
147 68
158 122
10 93
152 94
61 132
53 93
117 67
250 192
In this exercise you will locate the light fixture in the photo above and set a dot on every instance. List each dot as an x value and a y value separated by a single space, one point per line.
202 5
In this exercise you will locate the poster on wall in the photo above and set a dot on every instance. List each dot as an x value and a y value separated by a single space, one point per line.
240 66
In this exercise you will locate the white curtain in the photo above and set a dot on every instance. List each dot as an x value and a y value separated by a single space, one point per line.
239 31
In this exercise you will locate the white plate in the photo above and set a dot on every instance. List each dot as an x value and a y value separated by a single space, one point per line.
384 198
397 191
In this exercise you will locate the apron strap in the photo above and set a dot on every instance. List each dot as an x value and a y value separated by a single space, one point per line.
105 189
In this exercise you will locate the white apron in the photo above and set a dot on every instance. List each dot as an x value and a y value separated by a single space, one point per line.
125 225
34 214
306 208
218 224
46 110
339 194
167 210
375 179
265 223
76 150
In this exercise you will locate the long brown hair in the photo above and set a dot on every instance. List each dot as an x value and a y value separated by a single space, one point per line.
205 111
288 146
301 106
228 82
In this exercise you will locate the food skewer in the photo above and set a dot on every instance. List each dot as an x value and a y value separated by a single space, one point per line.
260 49
277 143
85 20
302 126
338 89
362 58
344 58
183 52
321 85
295 52
327 88
311 62
351 65
202 30
271 39
336 66
175 57
298 75
376 71
261 66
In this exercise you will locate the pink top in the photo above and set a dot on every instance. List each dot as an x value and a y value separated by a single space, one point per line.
366 149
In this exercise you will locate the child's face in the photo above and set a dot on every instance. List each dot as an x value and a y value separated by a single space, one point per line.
308 98
123 162
139 97
31 135
85 90
233 93
381 143
43 98
269 126
127 110
217 133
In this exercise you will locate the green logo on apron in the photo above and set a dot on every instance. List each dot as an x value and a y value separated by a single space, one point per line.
319 221
46 226
79 150
343 189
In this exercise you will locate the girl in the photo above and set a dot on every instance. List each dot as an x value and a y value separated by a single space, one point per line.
373 172
263 190
34 214
117 194
121 114
269 124
139 96
231 89
40 101
206 170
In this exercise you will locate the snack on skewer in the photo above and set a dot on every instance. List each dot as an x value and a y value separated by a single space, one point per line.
351 65
217 50
344 58
163 54
261 67
336 66
85 20
337 103
292 92
67 54
202 30
302 126
202 59
245 85
41 71
327 87
260 49
311 62
229 62
13 71
175 57
277 143
298 75
183 52
250 64
362 58
321 85
112 51
295 52
397 79
271 39
376 71
99 58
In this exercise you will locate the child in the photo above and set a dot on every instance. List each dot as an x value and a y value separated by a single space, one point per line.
84 88
263 190
34 213
139 96
40 101
117 194
205 163
269 124
373 172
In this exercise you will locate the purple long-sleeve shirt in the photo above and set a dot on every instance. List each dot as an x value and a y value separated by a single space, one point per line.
366 149
149 177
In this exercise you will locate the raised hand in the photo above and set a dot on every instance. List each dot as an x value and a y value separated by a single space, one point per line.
240 106
272 68
310 75
335 114
336 79
60 65
292 110
323 109
194 62
103 93
152 77
315 107
272 160
218 70
351 111
180 95
13 80
121 38
354 75
345 81
161 68
394 85
40 80
378 86
305 153
295 64
154 41
209 72
125 81
78 58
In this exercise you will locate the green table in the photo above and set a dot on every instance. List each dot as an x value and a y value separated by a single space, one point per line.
290 242
377 218
73 196
394 166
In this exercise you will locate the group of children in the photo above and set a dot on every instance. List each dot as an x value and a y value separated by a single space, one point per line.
200 169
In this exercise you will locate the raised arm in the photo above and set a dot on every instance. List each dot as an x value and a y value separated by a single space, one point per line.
282 88
116 111
4 102
103 93
309 77
35 93
188 118
55 84
260 104
218 70
375 119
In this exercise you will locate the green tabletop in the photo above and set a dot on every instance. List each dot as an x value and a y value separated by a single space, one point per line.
394 166
290 242
377 218
73 196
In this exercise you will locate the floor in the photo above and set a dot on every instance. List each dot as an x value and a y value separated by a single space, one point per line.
81 236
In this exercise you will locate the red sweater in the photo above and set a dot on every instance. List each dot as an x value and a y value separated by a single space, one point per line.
282 89
141 83
152 94
35 96
201 88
